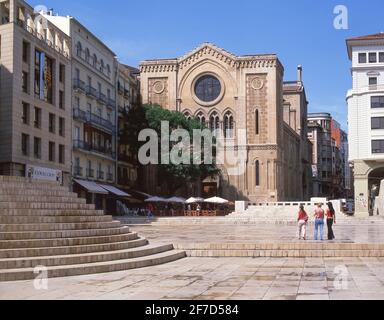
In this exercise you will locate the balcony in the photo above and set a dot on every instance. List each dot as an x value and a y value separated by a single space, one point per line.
102 98
111 103
92 92
93 120
126 158
78 171
78 84
90 173
126 93
100 175
85 146
110 177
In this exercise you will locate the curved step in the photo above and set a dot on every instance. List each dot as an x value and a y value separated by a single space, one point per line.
93 268
94 257
57 226
62 234
50 212
52 219
71 250
64 242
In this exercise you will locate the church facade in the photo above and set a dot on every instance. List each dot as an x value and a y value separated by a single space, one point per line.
239 93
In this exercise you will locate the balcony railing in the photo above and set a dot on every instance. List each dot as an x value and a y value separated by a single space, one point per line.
90 91
102 98
104 150
127 93
109 176
78 84
93 119
111 103
100 175
78 171
90 173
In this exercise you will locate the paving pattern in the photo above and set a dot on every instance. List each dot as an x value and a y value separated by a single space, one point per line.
221 278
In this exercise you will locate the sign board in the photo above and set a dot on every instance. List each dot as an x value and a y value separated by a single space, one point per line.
39 173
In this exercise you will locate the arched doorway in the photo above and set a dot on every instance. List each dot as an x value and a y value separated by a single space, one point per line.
374 181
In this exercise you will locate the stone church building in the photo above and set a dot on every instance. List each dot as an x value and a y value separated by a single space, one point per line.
229 93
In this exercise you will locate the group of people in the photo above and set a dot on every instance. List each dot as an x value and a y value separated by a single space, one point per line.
320 214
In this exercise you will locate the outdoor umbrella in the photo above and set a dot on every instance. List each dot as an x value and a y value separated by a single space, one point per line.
194 200
175 200
216 200
155 199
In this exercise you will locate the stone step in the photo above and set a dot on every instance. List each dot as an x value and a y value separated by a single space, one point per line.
62 234
34 192
52 219
41 199
31 186
37 205
66 242
94 257
71 250
93 268
57 226
292 250
51 212
16 179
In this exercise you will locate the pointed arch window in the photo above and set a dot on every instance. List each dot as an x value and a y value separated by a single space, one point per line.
257 173
187 116
229 125
201 118
87 55
257 122
214 122
94 60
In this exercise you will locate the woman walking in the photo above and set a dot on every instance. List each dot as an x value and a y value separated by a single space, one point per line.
331 219
319 222
302 222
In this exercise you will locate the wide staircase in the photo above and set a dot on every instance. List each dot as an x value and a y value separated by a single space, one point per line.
43 226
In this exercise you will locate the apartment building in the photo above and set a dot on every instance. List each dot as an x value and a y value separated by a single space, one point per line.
35 94
128 96
94 74
328 157
366 118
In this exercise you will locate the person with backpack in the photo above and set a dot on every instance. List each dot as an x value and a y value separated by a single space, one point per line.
331 220
319 222
302 223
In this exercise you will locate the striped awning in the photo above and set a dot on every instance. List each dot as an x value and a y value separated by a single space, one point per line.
91 186
115 191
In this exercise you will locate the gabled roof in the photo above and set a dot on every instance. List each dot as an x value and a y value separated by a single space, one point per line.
211 46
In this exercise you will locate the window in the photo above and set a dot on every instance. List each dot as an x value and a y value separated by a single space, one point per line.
372 57
381 56
25 81
214 122
201 118
25 52
43 77
257 173
257 122
37 121
62 127
25 144
87 55
62 73
94 60
377 102
25 117
61 154
372 81
52 123
37 148
102 65
377 146
61 100
79 49
77 73
362 58
207 88
51 151
228 125
377 123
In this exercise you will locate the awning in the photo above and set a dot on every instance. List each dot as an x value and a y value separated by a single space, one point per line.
115 191
92 187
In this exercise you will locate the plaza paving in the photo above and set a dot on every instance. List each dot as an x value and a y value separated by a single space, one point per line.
220 278
228 278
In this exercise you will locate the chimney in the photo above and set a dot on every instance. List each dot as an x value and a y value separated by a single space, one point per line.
50 12
299 73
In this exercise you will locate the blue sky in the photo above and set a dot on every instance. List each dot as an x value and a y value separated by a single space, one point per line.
299 31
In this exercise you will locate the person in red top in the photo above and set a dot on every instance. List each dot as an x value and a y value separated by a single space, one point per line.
302 221
331 219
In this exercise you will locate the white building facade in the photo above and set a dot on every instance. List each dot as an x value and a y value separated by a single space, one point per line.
366 118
